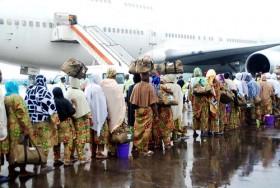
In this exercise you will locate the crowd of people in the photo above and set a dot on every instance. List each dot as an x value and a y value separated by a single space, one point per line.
94 111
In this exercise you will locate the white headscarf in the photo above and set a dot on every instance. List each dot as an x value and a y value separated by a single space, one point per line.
97 102
3 118
177 110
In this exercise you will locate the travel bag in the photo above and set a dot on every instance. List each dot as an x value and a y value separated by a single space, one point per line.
75 68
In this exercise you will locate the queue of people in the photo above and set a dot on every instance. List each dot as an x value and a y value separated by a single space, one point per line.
96 112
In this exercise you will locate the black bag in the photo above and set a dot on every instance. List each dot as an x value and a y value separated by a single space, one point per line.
74 68
226 97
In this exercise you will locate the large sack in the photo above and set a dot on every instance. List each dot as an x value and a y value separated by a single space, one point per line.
132 67
74 68
200 90
144 65
170 67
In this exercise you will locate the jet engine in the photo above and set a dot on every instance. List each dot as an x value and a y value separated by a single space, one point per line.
263 61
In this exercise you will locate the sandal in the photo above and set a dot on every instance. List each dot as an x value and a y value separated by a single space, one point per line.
148 153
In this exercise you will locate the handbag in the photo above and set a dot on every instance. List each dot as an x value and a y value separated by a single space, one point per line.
226 97
166 97
74 68
26 154
119 135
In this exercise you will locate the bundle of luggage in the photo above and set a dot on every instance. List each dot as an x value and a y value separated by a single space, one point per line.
75 68
146 65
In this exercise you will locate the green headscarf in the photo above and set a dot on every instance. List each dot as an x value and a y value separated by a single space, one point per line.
198 77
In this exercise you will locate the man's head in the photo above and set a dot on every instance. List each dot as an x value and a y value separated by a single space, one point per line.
0 76
145 77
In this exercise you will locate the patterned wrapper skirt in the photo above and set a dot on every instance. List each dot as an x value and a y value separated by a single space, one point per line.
142 128
66 131
45 135
82 129
163 128
104 136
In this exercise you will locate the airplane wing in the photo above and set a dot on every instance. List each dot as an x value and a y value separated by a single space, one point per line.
221 60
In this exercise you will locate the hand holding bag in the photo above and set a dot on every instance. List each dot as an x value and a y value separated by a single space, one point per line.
26 154
165 96
119 135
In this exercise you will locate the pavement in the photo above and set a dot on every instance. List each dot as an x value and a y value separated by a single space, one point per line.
242 158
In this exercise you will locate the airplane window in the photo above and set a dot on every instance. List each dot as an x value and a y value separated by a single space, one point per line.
30 23
37 24
126 31
9 22
16 22
113 30
122 30
134 32
184 36
44 24
198 37
1 21
104 29
23 23
50 25
109 29
172 35
175 35
142 32
130 31
193 37
138 32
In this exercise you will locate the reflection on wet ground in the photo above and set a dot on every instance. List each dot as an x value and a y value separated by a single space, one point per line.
242 158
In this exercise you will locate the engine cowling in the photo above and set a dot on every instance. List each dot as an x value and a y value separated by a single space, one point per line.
263 61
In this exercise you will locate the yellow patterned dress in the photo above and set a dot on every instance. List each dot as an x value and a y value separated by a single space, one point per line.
18 123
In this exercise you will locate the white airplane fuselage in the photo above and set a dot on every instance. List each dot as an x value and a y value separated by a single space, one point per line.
25 34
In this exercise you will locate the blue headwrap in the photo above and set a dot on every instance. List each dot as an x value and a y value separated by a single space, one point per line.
11 88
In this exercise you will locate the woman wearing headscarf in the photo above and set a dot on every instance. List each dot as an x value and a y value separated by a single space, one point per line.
214 101
115 103
66 131
253 93
177 110
144 98
267 95
276 87
98 106
200 104
130 107
19 125
223 114
242 90
234 114
43 114
164 126
82 118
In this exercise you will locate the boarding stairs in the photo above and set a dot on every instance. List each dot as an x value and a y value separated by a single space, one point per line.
93 39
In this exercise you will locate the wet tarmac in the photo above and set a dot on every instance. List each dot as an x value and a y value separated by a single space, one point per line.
242 158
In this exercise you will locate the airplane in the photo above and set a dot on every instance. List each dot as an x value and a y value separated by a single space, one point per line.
40 34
